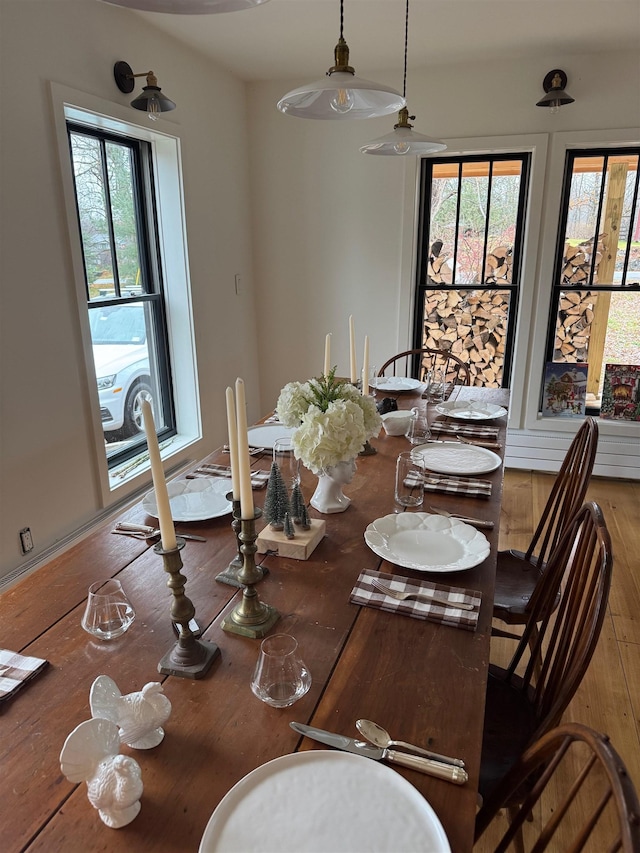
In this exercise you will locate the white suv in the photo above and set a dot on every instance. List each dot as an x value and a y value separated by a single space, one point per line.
121 357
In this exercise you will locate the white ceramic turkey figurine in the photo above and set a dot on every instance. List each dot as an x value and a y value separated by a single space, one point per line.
114 782
139 715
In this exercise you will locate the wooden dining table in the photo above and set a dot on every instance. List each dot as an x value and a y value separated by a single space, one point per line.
424 682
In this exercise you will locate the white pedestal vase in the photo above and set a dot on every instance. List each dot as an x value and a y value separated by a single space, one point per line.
328 496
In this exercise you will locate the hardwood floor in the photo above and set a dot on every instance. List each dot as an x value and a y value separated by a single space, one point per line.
608 699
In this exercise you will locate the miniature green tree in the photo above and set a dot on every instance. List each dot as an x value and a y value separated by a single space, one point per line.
305 521
276 501
297 503
288 526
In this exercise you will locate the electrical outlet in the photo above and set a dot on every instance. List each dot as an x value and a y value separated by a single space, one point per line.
26 540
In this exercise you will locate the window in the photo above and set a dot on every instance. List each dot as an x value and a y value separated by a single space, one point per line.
113 181
595 305
471 232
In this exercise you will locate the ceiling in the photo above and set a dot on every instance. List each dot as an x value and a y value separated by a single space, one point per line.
295 38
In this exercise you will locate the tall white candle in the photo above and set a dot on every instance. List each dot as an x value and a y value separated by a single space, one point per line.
352 350
327 354
232 429
167 530
244 464
365 366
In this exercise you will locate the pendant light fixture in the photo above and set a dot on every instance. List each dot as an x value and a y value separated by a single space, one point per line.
556 97
341 95
404 140
188 7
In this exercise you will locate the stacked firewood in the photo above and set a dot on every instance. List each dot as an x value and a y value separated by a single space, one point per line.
472 326
498 266
440 266
573 327
577 260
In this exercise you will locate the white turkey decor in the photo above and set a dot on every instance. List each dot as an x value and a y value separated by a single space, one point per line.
114 782
139 716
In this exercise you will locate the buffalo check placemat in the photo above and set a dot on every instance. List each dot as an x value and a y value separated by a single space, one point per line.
446 614
451 485
16 670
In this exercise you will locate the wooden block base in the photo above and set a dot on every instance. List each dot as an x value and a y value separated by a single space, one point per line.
300 548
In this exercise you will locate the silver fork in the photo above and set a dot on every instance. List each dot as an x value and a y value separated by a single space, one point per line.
420 596
477 522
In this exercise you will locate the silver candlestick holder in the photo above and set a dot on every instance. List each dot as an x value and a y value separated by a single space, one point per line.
251 617
230 574
190 657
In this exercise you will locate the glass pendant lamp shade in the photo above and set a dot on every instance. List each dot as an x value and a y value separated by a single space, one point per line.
188 7
341 95
403 140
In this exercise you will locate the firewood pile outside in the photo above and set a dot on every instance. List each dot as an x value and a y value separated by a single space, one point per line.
575 311
471 324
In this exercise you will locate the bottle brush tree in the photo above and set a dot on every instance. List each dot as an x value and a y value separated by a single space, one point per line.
276 500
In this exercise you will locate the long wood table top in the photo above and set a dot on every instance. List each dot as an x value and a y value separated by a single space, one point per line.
423 682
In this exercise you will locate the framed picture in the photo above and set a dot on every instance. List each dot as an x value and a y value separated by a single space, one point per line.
621 392
565 390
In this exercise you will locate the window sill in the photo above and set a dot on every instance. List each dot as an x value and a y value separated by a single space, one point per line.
134 472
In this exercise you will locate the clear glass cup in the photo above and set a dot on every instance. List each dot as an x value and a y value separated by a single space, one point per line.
281 676
409 479
418 431
436 386
109 612
286 461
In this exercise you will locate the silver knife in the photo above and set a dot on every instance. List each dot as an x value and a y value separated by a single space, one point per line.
125 528
348 744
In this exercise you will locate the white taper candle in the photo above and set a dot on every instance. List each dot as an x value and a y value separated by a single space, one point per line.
244 464
232 429
167 530
352 351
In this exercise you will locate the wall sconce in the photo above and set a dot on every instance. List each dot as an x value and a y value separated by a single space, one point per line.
554 84
150 100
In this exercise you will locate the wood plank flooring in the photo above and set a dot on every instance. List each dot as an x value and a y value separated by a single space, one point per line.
609 697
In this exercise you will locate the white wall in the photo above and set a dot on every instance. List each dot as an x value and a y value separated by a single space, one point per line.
48 479
334 229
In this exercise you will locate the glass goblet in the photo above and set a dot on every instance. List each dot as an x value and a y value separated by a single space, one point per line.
281 676
109 612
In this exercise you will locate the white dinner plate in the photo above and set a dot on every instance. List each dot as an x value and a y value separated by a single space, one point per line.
323 802
452 457
265 435
193 500
470 410
395 384
427 543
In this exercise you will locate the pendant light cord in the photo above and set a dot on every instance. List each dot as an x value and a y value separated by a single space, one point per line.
406 45
341 19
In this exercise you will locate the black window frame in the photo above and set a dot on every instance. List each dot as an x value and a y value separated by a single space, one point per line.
422 287
152 285
557 287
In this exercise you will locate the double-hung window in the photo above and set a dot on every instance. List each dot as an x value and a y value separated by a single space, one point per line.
115 200
595 303
471 233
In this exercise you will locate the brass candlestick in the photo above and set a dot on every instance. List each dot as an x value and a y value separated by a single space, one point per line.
251 617
230 574
189 658
368 449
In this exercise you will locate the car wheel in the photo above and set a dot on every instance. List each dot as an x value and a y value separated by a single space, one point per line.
133 422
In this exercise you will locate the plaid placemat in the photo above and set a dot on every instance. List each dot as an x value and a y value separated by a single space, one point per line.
259 479
447 483
366 594
16 670
465 430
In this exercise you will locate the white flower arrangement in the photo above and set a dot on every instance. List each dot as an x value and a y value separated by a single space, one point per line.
332 420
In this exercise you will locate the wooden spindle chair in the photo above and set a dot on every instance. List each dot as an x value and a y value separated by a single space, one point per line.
521 708
518 573
601 806
416 363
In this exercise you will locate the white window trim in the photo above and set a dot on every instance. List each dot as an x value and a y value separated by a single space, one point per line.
560 144
69 104
537 145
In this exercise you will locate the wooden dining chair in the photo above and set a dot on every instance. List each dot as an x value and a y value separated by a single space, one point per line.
599 808
415 363
517 572
527 698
